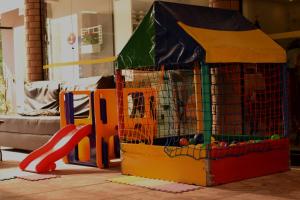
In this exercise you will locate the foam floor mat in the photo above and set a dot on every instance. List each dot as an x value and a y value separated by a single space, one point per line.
35 177
154 184
4 177
16 173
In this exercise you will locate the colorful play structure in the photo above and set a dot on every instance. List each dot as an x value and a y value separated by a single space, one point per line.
91 140
200 99
209 105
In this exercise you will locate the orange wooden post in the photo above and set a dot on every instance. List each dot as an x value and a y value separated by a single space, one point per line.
104 131
62 110
119 87
98 126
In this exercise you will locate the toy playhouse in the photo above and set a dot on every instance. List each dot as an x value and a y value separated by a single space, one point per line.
90 139
201 98
100 148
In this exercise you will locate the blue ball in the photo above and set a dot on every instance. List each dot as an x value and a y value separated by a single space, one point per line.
199 139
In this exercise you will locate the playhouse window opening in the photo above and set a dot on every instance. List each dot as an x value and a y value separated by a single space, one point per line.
136 105
81 106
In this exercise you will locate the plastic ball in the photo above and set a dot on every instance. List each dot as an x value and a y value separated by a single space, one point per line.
275 137
212 139
223 144
183 142
234 142
232 145
242 143
192 141
198 138
214 145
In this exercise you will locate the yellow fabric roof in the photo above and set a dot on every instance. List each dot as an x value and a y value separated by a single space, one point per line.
251 46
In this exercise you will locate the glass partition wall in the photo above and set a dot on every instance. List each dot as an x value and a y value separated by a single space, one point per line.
92 29
79 30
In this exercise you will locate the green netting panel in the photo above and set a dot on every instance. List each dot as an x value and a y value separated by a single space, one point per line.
215 110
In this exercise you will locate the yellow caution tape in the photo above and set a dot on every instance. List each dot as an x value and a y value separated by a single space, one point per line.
81 62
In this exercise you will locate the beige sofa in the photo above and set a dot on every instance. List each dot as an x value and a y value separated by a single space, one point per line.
27 132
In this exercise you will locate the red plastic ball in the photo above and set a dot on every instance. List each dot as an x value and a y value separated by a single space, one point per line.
223 144
183 142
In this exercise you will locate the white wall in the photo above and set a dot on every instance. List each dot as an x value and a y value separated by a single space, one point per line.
122 23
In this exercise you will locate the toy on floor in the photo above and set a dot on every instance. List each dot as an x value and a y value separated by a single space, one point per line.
89 140
43 159
101 147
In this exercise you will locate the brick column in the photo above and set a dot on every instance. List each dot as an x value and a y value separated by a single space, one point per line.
34 20
226 4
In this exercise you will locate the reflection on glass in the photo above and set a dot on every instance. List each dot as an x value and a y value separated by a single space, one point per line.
92 29
80 30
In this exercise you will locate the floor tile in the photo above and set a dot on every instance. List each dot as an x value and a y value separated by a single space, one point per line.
80 182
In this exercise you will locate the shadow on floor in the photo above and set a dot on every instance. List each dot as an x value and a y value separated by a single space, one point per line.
89 170
282 185
16 150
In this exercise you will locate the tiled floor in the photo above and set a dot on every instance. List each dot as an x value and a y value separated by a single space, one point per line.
77 182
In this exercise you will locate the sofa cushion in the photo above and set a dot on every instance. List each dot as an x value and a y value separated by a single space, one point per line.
39 125
41 98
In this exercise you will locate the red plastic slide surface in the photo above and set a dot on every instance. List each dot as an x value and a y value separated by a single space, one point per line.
43 159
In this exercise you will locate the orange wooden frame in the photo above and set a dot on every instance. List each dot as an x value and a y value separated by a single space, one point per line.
140 128
105 130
